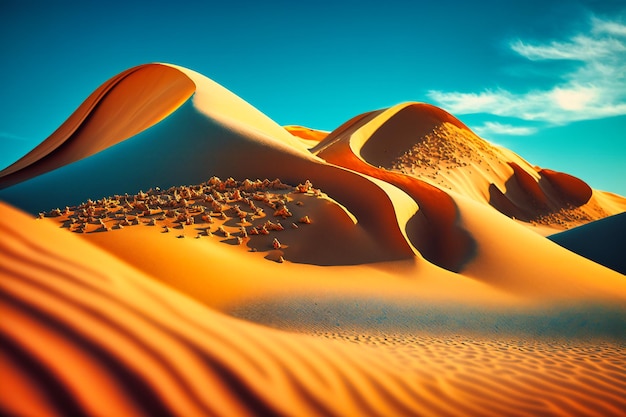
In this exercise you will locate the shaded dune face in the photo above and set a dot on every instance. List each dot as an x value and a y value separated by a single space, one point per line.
573 190
526 198
602 241
122 107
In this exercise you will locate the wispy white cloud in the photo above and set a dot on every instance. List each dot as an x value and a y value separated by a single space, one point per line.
503 129
580 48
609 27
7 136
594 89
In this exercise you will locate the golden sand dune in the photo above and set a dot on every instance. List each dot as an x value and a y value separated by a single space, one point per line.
414 245
427 143
80 339
217 133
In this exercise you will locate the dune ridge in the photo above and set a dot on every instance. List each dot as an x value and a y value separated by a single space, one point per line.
448 155
106 118
434 231
409 205
411 138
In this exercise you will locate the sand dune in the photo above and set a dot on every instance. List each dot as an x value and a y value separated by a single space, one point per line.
106 118
426 143
400 259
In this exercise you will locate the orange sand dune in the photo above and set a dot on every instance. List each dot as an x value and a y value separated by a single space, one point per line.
433 231
402 212
427 143
393 285
156 91
225 136
78 339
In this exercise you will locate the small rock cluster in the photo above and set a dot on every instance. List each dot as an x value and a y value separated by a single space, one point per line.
229 209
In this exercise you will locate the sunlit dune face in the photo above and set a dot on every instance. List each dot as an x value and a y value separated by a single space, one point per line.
307 133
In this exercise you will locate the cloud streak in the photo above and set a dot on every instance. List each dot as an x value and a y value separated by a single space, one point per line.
10 137
504 129
595 89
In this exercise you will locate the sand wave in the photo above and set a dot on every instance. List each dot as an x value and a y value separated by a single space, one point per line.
81 340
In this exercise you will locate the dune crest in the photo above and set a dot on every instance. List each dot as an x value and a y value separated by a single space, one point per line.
431 145
434 230
122 107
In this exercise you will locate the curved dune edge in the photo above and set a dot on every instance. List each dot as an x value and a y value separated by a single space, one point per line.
122 107
78 339
429 144
573 190
313 135
219 103
434 231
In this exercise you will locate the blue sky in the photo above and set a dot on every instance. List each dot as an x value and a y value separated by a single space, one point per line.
546 79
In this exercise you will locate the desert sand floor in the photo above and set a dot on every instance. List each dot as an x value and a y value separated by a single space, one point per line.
86 334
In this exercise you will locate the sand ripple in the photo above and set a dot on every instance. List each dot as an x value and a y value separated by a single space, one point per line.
81 339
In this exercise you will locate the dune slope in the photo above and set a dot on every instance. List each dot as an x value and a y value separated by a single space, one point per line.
602 241
214 133
429 144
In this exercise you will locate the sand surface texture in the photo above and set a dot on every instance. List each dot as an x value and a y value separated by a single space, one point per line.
186 255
